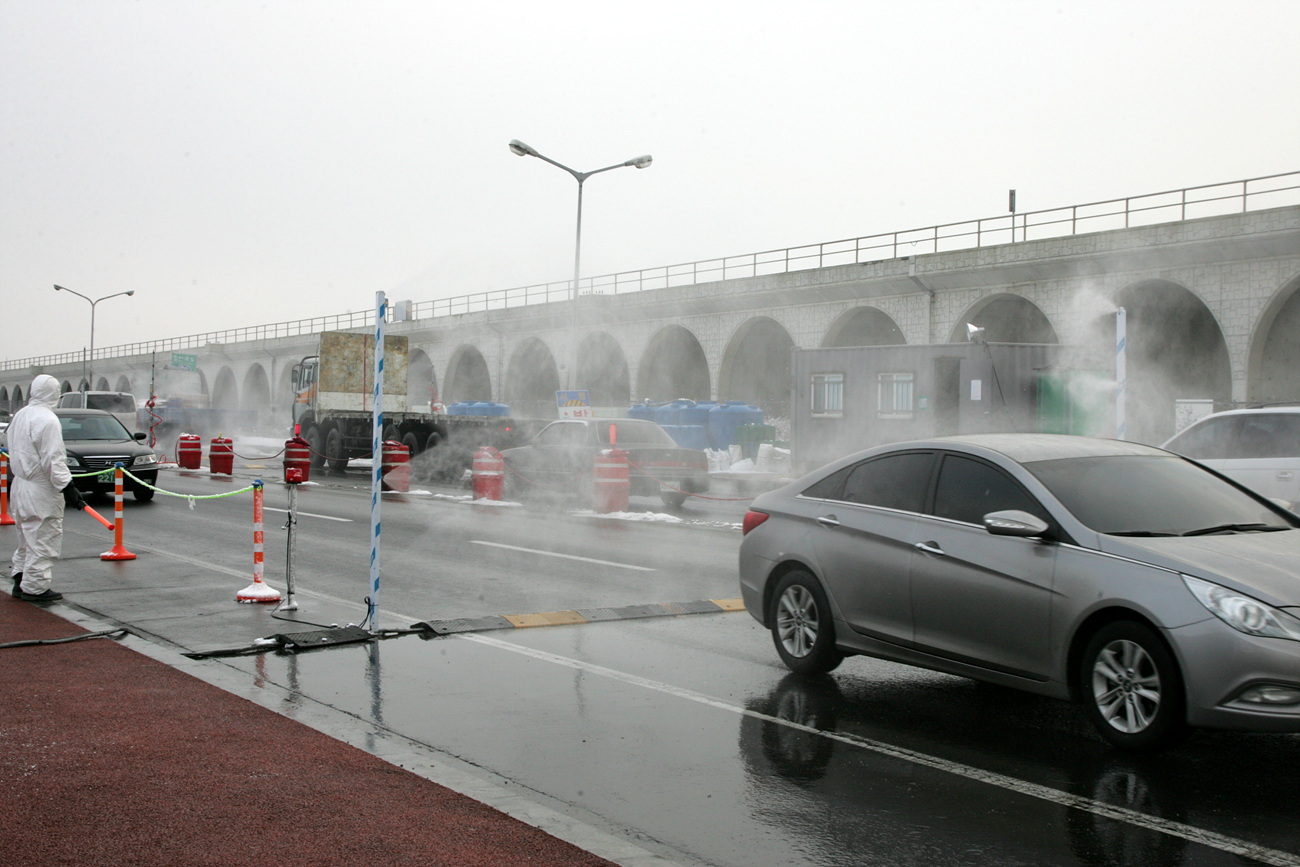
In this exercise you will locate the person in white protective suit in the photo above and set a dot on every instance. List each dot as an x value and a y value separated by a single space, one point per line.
41 489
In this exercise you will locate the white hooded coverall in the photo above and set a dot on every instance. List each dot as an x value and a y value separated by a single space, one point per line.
40 468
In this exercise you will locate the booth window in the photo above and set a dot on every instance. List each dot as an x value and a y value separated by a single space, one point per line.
895 399
828 395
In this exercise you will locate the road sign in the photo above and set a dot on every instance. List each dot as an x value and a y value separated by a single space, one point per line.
574 404
181 361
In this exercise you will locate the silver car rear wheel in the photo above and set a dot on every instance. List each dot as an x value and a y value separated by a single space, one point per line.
801 625
1132 687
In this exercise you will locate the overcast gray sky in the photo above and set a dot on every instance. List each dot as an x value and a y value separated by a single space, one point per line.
238 163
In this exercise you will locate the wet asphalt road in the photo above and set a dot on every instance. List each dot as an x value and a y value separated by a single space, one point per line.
682 737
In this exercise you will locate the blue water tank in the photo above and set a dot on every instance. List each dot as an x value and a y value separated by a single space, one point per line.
698 414
497 409
642 411
670 414
461 407
726 417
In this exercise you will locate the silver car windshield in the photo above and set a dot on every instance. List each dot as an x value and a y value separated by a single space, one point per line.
1151 495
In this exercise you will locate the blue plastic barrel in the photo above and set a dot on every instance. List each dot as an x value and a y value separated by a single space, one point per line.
460 407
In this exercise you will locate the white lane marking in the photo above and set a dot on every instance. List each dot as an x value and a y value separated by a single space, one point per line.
1099 808
565 556
309 515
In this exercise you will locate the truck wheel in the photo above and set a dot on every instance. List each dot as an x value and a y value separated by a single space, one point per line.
391 434
316 443
334 453
412 443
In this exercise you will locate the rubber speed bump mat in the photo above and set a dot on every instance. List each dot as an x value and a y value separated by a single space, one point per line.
581 615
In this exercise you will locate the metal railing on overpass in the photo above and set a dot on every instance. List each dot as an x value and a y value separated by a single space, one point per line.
1252 194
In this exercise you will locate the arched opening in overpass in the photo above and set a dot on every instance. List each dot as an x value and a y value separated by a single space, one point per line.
123 384
602 370
421 383
225 395
257 394
1175 350
1275 350
756 367
1006 318
863 326
102 384
673 366
467 377
532 378
83 385
65 387
4 399
16 401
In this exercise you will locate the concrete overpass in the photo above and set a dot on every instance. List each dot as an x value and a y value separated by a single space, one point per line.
1210 278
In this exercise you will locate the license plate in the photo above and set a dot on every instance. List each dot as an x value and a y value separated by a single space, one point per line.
106 477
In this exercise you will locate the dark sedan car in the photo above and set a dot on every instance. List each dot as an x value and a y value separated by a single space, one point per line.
562 457
96 440
1157 592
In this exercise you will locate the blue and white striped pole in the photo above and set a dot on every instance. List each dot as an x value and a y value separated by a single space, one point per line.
376 454
1121 372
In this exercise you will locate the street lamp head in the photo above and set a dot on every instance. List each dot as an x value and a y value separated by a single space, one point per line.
520 149
130 292
57 287
640 162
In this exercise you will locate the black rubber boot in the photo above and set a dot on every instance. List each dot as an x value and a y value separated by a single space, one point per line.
18 583
46 595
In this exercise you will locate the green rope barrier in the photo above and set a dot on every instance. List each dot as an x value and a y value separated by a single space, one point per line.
191 497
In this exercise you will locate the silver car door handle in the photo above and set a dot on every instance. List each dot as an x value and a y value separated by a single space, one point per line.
828 520
930 548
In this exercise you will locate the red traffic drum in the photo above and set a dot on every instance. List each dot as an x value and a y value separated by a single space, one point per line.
488 473
396 467
297 456
189 451
221 456
611 484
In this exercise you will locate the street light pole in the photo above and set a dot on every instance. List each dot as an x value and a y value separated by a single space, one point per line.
518 148
88 371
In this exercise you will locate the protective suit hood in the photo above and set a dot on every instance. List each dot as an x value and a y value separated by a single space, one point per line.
45 392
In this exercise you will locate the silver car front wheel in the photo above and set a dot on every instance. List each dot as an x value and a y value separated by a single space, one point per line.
1132 687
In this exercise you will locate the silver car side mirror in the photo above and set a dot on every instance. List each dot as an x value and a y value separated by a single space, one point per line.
1014 522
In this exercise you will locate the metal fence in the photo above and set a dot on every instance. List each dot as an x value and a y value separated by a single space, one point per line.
1253 194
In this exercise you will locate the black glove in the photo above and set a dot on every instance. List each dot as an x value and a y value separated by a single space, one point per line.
72 497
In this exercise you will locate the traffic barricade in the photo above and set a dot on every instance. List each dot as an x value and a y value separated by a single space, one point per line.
611 484
221 456
189 451
395 467
487 475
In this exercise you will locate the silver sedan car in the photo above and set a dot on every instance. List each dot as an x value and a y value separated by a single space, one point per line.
1160 594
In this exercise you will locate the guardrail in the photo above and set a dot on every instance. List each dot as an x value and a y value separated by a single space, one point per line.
1252 194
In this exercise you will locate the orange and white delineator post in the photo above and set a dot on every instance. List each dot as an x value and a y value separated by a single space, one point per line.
118 552
258 591
5 519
